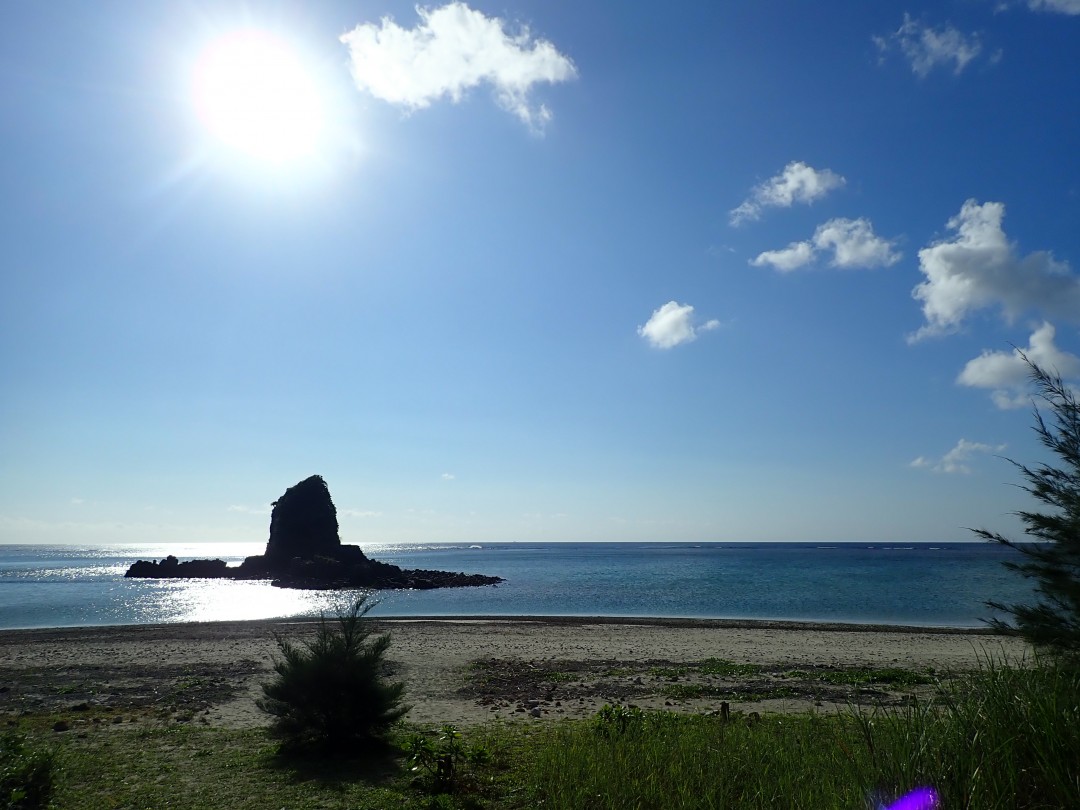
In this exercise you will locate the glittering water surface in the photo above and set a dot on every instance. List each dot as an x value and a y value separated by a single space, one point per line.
921 584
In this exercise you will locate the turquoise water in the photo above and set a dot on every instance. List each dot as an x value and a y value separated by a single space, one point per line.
942 584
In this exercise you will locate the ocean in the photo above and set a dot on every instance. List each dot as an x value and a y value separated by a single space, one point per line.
921 584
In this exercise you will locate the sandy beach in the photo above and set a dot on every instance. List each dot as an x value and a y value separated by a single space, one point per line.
471 670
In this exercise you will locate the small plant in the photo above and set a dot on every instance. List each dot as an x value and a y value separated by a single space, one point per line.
329 694
614 721
26 774
442 759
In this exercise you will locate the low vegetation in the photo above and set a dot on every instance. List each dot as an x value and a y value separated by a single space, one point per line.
1003 737
26 773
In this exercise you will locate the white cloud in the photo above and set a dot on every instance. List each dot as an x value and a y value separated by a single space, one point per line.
1006 373
796 183
672 325
979 268
453 49
956 460
794 256
447 476
926 48
1060 6
852 242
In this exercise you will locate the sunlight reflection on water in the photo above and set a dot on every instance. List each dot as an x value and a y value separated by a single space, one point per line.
226 600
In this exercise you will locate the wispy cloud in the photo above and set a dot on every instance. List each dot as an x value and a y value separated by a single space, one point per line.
956 460
926 48
852 244
448 476
797 183
250 510
455 48
672 325
1006 373
1057 6
978 268
358 513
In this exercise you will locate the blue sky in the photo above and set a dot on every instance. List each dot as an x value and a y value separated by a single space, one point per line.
537 271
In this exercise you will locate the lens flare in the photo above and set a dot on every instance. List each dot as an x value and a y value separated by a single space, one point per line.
919 799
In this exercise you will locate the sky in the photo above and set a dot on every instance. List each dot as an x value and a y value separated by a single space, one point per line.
532 271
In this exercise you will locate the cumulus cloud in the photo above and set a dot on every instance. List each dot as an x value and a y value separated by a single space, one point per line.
978 268
1006 373
453 49
794 256
956 460
797 183
673 324
926 48
852 243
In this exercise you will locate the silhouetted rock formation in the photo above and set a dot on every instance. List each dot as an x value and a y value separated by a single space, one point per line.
305 551
172 567
303 523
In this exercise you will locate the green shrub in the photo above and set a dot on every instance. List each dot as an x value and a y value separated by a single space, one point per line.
26 774
441 761
329 694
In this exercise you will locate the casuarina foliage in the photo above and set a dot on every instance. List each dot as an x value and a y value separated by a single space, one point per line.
329 694
1052 623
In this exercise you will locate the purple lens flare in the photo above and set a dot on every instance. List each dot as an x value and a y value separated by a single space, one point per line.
919 799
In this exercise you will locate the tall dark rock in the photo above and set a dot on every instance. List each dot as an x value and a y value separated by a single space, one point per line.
303 523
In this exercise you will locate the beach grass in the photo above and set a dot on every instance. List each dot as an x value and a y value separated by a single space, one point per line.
1005 736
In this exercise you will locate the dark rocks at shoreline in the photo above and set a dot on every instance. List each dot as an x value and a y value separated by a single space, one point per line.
405 578
171 567
319 574
305 551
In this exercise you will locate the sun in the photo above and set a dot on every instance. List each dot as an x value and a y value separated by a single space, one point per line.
255 95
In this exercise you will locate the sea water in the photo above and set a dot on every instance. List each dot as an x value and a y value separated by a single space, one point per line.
922 584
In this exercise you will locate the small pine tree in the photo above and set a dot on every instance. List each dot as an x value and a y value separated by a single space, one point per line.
1053 622
329 694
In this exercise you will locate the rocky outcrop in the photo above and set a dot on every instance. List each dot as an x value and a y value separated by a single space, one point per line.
172 567
303 523
305 551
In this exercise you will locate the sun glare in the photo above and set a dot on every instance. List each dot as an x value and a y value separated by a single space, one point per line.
254 94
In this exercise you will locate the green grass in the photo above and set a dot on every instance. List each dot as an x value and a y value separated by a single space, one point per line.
863 676
710 666
692 691
191 768
1005 737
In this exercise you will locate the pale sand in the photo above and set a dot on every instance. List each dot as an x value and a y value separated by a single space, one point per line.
214 670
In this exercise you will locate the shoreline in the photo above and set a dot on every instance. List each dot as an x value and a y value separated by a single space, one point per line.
573 620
